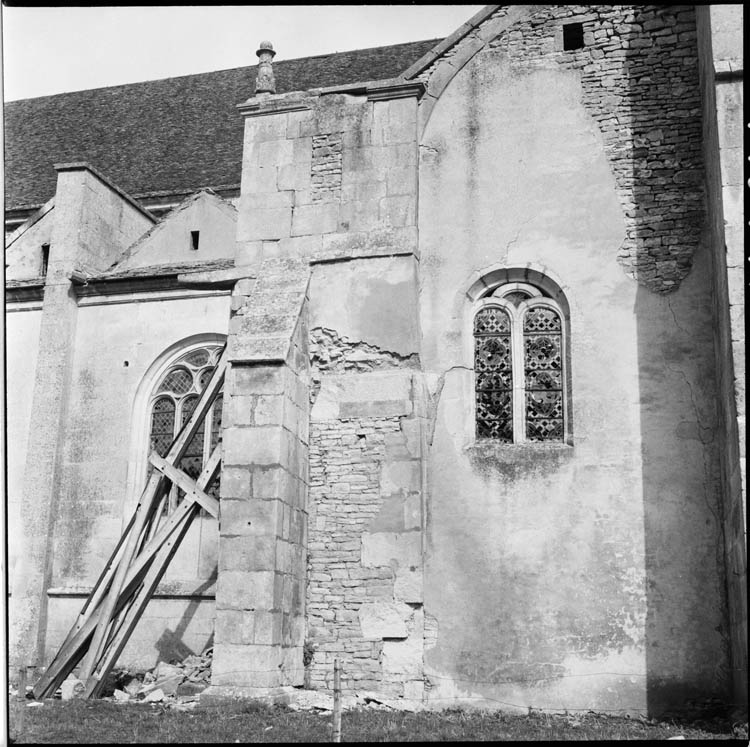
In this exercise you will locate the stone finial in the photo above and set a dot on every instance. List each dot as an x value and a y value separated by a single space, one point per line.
265 82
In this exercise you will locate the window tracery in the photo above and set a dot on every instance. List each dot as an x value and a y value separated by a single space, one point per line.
519 360
173 401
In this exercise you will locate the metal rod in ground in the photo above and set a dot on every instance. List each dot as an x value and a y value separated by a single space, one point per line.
21 698
336 701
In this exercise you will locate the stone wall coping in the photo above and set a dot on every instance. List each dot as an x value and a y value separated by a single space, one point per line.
17 291
84 166
35 217
226 277
378 90
465 28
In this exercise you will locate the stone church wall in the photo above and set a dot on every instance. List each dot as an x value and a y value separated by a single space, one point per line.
102 450
547 567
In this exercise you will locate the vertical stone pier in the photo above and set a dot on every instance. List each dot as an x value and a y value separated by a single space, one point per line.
260 597
94 222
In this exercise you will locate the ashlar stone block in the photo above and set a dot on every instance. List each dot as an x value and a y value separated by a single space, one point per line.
384 620
275 152
236 482
243 590
249 518
253 445
315 219
235 627
403 657
395 549
267 223
249 665
255 380
247 553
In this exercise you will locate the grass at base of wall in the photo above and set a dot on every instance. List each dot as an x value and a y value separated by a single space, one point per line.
103 722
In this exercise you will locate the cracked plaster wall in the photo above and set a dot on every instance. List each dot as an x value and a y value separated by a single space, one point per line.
548 569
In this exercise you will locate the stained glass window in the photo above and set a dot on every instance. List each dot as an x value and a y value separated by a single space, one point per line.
518 368
494 378
175 397
542 357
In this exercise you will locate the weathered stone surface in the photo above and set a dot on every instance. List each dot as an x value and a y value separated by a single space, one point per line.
384 620
400 550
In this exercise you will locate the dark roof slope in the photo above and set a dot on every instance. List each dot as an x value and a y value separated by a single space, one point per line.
170 135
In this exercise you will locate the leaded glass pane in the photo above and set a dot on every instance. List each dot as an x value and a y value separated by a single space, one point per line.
515 297
204 377
543 375
192 460
491 320
178 380
197 358
493 374
215 439
162 425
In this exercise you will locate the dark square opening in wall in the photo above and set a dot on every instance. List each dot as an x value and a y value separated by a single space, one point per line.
572 36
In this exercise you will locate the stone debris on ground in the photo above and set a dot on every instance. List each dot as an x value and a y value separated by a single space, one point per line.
176 683
167 682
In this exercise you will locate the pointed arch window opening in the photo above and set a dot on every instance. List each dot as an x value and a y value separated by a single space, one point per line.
174 399
519 366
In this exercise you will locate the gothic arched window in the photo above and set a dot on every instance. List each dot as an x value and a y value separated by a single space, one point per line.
519 366
173 400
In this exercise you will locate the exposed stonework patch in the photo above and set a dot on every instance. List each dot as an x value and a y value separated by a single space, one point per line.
639 82
326 167
364 588
331 353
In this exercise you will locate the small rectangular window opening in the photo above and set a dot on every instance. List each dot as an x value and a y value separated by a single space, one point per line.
45 259
194 239
573 36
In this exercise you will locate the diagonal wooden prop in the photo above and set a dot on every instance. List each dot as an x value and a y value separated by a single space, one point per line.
139 560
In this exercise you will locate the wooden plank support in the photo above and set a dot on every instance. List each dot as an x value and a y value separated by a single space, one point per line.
71 652
145 509
183 481
132 615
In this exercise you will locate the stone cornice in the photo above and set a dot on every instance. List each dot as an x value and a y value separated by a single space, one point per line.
377 90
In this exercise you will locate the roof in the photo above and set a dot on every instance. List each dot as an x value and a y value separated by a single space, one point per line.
165 136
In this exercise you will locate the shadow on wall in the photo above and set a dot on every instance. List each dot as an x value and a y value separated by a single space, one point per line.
170 645
686 637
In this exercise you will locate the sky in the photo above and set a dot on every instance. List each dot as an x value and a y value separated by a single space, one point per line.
57 49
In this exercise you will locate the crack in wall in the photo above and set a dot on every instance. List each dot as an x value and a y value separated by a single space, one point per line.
433 400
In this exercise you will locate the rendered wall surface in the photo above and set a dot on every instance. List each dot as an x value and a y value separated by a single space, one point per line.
23 257
104 447
21 345
720 44
552 574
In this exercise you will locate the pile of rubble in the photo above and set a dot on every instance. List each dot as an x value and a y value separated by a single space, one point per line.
162 683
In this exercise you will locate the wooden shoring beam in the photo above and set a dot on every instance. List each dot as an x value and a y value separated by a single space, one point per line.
71 652
188 485
128 619
97 593
145 509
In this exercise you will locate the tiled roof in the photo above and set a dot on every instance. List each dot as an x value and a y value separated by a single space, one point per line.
170 135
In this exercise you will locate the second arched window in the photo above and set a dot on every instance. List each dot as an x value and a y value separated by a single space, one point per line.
519 366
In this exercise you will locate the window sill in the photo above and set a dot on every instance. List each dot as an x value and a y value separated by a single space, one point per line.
178 590
485 453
